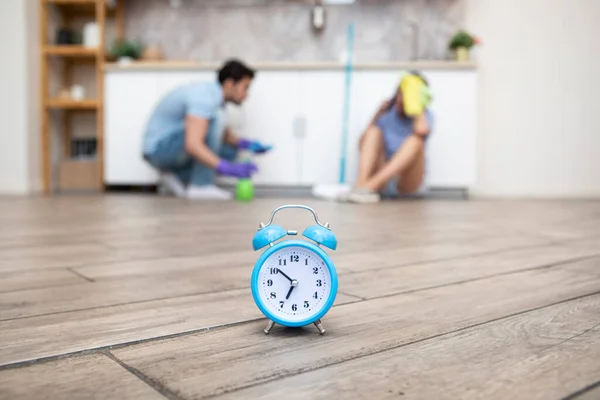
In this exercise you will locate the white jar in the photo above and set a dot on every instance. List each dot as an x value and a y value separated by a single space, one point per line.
91 35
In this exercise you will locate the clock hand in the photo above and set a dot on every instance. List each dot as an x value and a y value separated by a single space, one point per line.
289 292
283 273
294 284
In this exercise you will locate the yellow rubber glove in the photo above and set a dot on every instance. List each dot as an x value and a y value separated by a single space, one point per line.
412 88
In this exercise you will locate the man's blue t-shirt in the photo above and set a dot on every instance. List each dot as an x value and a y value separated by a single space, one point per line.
200 99
396 128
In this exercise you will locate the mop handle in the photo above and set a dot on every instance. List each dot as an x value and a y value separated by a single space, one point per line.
349 55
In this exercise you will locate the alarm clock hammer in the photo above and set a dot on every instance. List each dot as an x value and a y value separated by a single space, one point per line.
309 275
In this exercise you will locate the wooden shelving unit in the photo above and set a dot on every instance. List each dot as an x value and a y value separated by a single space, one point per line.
58 111
72 104
70 51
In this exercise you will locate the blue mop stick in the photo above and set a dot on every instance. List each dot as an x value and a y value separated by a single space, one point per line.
349 55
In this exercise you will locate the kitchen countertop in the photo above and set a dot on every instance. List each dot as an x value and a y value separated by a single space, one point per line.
211 66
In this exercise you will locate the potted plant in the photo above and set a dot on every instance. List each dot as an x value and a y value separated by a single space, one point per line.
461 43
125 51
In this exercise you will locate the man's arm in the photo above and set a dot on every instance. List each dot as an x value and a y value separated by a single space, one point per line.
196 129
230 138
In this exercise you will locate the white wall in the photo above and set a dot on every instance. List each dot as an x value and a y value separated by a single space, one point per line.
539 132
14 167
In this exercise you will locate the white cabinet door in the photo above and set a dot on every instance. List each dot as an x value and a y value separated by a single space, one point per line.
130 98
270 114
321 114
452 149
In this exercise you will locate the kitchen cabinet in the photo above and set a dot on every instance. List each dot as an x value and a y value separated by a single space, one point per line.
129 100
299 112
271 115
320 111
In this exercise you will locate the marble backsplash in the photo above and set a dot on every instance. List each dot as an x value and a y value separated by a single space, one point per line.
280 30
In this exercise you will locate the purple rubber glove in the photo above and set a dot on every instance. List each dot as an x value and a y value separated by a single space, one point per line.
254 146
239 170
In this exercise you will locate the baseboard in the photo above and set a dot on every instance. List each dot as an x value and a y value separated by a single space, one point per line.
297 191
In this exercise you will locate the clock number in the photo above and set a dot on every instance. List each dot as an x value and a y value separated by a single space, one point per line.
294 307
306 261
282 262
281 304
274 271
315 295
294 258
273 295
306 304
269 283
319 282
315 270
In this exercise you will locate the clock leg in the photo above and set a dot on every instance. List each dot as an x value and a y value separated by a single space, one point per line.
269 327
320 327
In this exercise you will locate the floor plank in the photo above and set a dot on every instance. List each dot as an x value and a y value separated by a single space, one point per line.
35 302
227 359
88 377
344 261
544 354
388 281
148 280
17 281
52 335
593 393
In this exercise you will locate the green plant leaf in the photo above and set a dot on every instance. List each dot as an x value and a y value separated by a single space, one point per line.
461 39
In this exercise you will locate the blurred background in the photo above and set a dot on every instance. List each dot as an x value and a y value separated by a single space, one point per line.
516 113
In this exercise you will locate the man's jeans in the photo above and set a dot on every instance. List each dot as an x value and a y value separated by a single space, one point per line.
170 156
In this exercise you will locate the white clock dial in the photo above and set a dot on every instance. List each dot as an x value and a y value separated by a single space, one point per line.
294 283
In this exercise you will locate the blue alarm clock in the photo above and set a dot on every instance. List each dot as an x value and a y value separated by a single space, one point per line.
294 282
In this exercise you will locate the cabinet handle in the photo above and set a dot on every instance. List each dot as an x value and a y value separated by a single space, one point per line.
299 127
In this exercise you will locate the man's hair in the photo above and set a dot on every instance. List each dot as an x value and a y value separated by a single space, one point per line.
236 70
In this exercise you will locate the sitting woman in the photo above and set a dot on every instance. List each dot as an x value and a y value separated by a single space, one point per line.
392 149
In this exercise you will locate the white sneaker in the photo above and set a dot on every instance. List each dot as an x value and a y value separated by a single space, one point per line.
207 192
172 184
363 196
331 192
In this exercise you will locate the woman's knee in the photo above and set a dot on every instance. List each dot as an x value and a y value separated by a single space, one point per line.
410 186
372 133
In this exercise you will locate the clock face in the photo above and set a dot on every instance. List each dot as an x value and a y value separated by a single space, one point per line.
294 283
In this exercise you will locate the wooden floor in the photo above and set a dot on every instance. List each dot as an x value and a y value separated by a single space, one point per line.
148 297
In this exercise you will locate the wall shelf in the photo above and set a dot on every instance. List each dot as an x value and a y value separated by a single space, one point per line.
70 51
80 8
72 104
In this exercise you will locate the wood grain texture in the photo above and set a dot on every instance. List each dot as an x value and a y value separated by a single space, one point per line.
593 393
174 277
543 354
74 331
28 303
88 377
167 290
18 281
227 359
387 281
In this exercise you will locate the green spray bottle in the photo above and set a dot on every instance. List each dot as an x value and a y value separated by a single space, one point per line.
244 190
